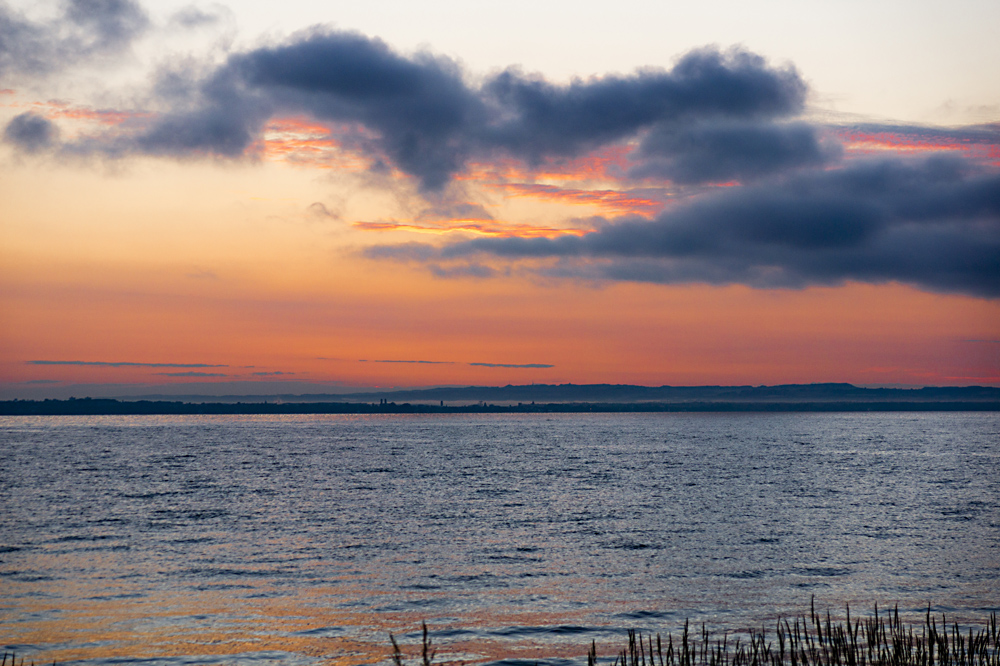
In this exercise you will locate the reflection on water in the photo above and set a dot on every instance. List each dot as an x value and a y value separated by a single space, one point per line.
300 539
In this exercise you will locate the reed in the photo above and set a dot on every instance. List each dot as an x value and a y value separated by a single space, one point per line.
880 640
15 662
426 654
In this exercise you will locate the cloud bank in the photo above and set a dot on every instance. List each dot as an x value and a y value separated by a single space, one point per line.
713 152
933 223
802 207
420 113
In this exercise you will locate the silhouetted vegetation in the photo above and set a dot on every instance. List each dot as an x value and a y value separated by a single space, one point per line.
14 661
881 640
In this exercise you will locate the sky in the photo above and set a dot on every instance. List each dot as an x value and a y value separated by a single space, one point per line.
308 197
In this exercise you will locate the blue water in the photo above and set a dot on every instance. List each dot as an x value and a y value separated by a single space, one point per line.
306 539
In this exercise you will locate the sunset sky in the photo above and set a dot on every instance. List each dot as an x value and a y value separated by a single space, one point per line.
310 196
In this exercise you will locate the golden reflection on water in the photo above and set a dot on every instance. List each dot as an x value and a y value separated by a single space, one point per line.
211 624
107 617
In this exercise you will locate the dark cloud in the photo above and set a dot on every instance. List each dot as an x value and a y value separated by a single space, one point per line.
31 132
364 360
129 364
218 117
514 365
420 107
417 109
420 114
85 29
934 223
429 121
542 119
719 152
190 374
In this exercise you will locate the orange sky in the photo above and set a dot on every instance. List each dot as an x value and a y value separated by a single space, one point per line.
201 271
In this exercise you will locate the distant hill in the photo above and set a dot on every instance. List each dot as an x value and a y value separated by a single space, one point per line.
548 398
678 394
615 393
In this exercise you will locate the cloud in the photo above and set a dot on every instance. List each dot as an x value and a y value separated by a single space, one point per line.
191 374
128 364
84 30
936 137
720 152
109 25
980 142
202 274
430 121
469 270
271 374
403 252
542 119
320 210
486 365
31 132
416 108
419 113
419 106
455 211
513 365
364 360
192 17
23 45
933 223
221 118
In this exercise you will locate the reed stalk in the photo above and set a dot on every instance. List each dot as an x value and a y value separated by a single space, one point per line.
816 640
881 640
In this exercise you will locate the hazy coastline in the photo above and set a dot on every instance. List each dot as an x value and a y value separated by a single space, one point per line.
542 398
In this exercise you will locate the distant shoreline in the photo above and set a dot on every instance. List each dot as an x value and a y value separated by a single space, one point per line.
109 407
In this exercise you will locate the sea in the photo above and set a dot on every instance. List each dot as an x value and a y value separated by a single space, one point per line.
518 539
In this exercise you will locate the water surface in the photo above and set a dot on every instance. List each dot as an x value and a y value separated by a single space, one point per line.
306 539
